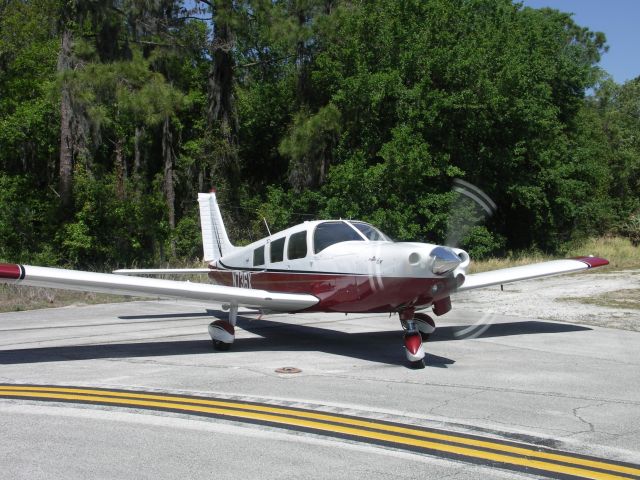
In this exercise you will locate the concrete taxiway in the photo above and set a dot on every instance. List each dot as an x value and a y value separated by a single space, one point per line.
570 387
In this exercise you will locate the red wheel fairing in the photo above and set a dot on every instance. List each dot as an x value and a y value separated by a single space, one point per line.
413 342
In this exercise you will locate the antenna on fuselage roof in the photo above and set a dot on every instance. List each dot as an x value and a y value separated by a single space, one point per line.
266 225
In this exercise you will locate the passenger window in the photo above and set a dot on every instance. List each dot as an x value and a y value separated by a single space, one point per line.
276 250
297 247
258 256
329 233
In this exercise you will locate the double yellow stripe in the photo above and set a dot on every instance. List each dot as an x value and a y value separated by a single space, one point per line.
486 449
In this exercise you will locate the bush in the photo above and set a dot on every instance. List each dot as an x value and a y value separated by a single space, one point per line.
631 228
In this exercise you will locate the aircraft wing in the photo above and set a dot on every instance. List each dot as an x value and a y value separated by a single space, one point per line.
152 287
527 272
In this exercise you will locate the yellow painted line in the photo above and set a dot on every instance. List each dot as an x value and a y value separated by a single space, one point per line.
347 421
170 403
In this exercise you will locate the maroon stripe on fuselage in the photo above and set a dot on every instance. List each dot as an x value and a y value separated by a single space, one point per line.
11 271
341 292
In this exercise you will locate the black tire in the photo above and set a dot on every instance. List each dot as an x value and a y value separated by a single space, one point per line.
221 346
417 365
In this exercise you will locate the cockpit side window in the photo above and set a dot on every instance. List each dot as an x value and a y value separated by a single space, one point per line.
370 232
329 233
297 247
276 250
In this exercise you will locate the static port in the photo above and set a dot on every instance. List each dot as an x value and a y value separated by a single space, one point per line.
414 258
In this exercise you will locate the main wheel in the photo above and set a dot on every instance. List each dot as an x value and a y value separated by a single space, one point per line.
220 346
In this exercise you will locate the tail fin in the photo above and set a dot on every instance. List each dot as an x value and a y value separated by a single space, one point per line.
215 241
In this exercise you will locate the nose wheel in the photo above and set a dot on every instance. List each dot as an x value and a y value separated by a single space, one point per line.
413 347
418 327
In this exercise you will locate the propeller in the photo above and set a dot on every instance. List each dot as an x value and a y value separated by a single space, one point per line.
471 207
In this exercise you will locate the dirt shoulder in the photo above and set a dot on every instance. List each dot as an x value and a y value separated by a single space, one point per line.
607 299
15 298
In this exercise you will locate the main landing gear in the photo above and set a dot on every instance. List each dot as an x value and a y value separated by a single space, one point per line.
223 332
418 327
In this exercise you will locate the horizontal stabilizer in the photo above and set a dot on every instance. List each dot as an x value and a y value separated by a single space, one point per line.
161 271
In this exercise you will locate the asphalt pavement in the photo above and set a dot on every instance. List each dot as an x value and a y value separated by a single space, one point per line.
517 380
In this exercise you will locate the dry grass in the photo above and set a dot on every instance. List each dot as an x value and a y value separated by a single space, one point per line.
619 251
628 298
15 298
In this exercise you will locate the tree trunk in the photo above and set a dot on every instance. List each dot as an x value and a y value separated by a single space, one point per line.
66 115
137 158
222 114
120 170
169 190
302 61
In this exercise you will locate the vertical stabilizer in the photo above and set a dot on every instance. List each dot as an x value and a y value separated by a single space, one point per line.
215 241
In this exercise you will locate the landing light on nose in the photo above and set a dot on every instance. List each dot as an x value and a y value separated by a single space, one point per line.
445 260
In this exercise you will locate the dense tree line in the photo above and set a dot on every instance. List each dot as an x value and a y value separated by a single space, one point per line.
115 113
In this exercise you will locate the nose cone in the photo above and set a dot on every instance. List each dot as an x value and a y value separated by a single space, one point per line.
445 260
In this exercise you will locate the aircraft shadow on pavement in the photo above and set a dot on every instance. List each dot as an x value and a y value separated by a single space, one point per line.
381 346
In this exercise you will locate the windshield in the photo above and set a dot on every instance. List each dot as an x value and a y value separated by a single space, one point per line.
371 232
329 233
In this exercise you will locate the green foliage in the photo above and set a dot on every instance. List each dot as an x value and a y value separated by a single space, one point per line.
25 220
480 243
310 144
630 228
188 237
345 109
110 230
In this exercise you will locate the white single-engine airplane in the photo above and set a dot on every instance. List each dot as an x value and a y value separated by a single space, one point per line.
320 266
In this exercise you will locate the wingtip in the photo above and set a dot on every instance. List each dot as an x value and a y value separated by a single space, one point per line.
593 262
11 271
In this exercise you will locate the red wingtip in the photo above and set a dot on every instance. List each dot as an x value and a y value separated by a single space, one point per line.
11 271
593 261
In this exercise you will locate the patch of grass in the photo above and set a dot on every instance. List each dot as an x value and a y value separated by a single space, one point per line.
514 260
14 298
619 251
628 299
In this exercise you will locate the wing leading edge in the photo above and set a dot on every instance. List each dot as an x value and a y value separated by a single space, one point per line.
152 287
527 272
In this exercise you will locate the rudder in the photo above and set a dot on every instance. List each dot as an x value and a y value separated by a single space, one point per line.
215 241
